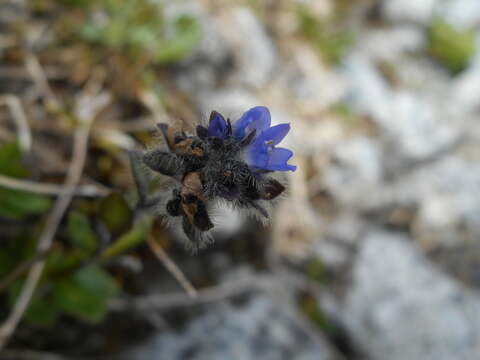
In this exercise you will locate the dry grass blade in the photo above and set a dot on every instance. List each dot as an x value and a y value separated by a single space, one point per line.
18 115
172 267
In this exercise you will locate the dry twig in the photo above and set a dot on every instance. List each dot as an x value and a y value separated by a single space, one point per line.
204 296
24 354
40 79
171 267
50 189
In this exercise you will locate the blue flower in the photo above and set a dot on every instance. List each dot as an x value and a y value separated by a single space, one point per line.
257 118
262 153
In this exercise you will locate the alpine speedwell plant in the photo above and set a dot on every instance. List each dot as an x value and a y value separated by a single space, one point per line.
224 161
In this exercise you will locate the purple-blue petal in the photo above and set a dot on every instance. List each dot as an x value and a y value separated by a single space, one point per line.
274 135
257 155
278 159
257 118
267 157
218 126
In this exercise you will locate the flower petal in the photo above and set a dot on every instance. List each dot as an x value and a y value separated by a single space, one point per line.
257 118
257 155
275 134
278 158
218 126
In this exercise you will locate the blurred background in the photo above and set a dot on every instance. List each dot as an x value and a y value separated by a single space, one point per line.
373 254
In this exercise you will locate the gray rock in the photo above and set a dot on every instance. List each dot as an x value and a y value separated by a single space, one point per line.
12 11
405 117
231 102
461 13
387 44
255 52
369 94
466 86
408 10
448 200
234 45
400 307
415 117
210 59
258 330
356 166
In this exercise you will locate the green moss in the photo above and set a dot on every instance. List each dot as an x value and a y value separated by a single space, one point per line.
310 308
140 28
451 46
316 270
331 42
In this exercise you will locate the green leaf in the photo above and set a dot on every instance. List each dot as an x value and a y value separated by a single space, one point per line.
187 34
60 262
16 204
7 262
75 301
10 160
86 293
129 240
452 46
80 234
97 281
140 29
115 213
42 311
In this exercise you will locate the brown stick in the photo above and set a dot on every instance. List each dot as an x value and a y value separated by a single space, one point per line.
204 296
171 267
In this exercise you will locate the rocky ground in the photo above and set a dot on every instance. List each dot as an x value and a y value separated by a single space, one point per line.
388 193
